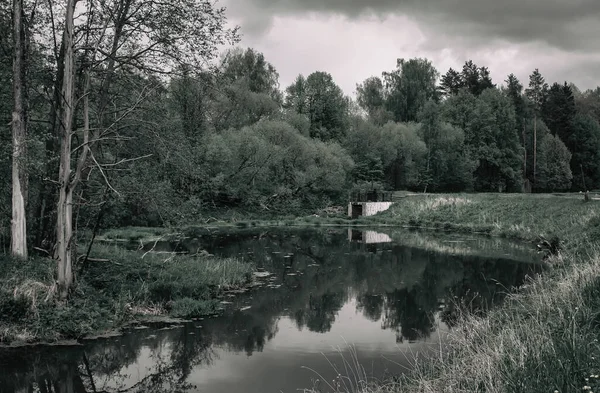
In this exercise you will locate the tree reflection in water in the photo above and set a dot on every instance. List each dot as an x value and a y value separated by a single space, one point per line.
402 287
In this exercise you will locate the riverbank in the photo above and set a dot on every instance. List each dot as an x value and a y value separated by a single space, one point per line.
123 287
118 288
516 216
544 338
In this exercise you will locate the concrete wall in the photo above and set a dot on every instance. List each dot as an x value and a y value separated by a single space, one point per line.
370 208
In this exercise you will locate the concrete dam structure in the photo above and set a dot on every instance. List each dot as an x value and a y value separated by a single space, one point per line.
369 203
357 209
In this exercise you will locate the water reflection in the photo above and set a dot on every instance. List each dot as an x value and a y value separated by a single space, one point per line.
388 294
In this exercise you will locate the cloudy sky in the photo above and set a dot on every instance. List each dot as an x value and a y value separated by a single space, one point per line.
355 39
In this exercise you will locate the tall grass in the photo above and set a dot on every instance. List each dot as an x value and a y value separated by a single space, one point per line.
522 216
350 377
545 337
118 287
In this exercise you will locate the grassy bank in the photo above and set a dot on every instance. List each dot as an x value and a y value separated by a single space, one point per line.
117 288
519 216
545 338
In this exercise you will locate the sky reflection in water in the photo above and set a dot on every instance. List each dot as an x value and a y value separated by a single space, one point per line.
384 295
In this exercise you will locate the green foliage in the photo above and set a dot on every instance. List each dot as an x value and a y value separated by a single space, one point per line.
409 87
450 83
393 153
475 79
588 102
271 164
448 165
323 102
117 288
250 69
537 90
13 309
559 110
585 164
192 308
472 78
491 137
554 171
371 97
299 121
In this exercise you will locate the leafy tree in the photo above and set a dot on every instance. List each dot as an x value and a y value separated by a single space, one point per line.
323 102
450 83
299 121
409 87
588 103
296 97
459 111
362 143
558 110
505 140
554 165
514 91
246 90
403 155
250 68
536 94
271 164
475 79
585 163
392 154
236 107
190 98
490 134
448 165
371 97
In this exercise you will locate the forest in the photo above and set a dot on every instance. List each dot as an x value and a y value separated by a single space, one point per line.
131 113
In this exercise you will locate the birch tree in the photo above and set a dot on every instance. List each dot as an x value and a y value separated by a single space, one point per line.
116 38
64 221
19 133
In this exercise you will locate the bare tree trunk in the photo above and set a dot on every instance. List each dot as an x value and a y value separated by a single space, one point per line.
64 221
534 147
524 154
19 133
46 232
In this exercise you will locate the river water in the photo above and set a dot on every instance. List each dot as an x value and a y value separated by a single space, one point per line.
335 307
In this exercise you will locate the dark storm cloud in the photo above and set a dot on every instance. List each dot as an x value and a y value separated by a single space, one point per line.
571 25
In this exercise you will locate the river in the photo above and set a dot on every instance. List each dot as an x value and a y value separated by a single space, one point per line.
335 307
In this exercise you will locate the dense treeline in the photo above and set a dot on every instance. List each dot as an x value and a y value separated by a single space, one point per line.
126 121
